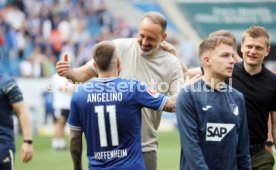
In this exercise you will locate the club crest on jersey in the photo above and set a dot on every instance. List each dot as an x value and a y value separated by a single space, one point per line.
234 109
207 107
152 93
217 131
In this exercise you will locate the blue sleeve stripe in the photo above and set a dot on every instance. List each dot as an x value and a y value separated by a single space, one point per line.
74 127
163 103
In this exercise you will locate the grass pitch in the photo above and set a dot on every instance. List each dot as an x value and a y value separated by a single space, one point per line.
47 159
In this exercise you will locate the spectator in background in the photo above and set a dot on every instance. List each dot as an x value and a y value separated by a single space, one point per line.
211 115
35 64
48 106
53 24
11 100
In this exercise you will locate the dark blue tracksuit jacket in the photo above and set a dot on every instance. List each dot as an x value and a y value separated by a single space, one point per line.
213 128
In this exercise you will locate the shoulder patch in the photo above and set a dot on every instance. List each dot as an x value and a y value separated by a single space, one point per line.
152 92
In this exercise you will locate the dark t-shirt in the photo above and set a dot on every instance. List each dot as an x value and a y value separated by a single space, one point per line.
260 97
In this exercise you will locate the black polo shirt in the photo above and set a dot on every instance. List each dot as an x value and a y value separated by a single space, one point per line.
260 97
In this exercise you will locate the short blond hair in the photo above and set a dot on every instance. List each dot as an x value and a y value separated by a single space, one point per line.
212 42
256 32
227 34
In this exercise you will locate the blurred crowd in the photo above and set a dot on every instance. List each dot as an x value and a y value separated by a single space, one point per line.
35 34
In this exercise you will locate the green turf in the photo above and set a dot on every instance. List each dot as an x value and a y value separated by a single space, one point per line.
168 151
47 159
44 157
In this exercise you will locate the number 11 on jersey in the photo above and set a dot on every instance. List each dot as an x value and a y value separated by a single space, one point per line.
111 109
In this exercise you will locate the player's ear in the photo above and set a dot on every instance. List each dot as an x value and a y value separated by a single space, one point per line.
164 36
267 51
205 60
95 65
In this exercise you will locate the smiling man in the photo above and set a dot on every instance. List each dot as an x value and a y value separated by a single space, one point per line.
258 85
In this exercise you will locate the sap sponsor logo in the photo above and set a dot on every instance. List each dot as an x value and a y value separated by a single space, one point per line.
217 131
207 107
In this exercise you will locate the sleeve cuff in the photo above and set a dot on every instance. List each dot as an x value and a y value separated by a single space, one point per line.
163 103
74 127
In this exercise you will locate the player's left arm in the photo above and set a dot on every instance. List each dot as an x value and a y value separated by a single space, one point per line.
76 148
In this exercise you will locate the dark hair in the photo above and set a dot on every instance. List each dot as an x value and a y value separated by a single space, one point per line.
211 43
256 32
227 34
103 54
156 18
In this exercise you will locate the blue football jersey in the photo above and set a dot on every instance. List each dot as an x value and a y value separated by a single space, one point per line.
108 111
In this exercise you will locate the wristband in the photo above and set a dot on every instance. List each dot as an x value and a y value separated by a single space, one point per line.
28 141
269 143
